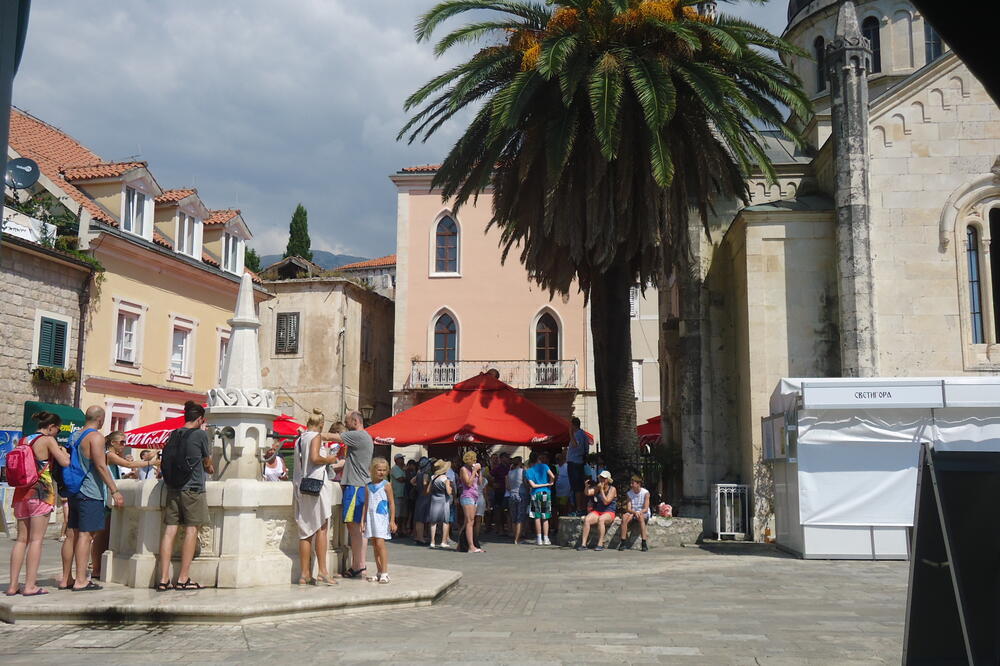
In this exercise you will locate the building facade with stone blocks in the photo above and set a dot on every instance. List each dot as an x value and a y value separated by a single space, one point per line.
460 311
158 321
326 343
871 255
47 296
378 273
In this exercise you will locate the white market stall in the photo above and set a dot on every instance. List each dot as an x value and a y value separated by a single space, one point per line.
844 454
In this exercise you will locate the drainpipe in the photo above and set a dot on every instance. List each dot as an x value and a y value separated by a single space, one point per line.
81 337
342 335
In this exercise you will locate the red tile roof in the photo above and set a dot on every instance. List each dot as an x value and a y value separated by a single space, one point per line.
102 170
173 196
425 168
221 216
162 240
388 260
53 149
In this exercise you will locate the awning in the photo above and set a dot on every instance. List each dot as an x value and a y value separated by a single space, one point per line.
650 432
155 435
72 418
480 410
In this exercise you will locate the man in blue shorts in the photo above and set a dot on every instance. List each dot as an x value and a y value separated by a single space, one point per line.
360 448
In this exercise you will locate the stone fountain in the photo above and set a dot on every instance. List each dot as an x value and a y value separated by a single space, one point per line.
252 539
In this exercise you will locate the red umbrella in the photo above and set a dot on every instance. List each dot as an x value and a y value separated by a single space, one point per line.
154 436
481 410
650 431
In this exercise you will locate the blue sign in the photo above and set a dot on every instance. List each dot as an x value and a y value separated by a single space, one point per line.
8 440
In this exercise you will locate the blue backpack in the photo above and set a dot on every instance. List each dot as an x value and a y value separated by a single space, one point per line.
74 474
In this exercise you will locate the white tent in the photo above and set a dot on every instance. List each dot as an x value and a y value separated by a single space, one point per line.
844 454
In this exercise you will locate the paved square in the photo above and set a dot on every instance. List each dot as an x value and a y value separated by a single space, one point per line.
732 604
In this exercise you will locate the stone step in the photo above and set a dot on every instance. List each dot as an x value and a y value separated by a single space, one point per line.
663 532
410 586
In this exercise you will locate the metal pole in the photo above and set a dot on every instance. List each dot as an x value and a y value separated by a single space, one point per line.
13 29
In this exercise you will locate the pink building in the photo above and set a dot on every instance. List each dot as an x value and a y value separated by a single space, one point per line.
460 311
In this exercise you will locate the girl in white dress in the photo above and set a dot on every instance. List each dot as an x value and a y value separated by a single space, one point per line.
379 520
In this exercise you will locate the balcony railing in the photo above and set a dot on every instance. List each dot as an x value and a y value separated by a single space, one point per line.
519 374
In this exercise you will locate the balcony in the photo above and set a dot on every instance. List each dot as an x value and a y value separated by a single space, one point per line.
519 374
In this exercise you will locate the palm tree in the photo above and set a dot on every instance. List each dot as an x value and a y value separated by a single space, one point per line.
600 125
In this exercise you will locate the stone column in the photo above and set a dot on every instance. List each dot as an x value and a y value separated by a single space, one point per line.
848 59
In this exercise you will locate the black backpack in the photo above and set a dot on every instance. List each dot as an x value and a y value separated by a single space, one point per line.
175 464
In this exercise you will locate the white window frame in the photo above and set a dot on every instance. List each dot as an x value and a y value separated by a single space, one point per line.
222 338
432 247
138 311
190 326
169 411
188 225
232 244
129 209
36 335
128 409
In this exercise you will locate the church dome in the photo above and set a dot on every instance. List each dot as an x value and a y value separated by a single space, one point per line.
794 6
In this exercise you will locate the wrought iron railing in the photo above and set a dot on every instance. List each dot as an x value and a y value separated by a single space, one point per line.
519 374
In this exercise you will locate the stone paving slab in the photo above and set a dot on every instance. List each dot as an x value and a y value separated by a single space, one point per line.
410 586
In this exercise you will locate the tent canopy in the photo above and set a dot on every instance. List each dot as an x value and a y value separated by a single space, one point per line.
72 418
480 410
155 435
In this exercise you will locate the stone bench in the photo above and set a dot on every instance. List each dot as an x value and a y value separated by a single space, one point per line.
663 532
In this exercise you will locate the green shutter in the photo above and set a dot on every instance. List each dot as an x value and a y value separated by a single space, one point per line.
52 343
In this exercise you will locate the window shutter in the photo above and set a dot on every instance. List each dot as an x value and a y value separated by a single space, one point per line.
287 333
45 342
633 302
293 332
281 333
59 344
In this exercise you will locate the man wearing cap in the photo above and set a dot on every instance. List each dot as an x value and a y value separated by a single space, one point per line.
398 474
603 500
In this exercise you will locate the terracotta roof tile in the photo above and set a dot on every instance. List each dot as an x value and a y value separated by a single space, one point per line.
425 168
162 240
173 196
221 216
53 149
209 259
254 276
388 260
102 170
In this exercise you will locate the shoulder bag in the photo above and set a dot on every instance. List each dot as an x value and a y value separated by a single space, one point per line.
307 485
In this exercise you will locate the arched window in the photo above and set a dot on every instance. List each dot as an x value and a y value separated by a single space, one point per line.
446 246
445 339
870 28
975 284
933 48
819 52
995 268
547 350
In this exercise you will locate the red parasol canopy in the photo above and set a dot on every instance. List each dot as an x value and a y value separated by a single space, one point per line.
650 431
154 436
481 410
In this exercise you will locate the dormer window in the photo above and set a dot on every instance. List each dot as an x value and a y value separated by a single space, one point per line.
188 234
134 219
232 253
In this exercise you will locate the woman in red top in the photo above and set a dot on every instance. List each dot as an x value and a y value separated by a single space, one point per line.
33 504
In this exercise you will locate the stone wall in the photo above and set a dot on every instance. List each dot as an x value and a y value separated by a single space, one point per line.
34 283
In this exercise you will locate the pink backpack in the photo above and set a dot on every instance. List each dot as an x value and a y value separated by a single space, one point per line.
22 471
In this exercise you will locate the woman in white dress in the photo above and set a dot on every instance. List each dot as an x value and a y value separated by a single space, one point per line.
312 512
274 466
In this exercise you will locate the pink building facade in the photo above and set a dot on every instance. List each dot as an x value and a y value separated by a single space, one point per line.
461 311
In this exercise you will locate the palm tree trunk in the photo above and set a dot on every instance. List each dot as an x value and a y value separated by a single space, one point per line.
610 323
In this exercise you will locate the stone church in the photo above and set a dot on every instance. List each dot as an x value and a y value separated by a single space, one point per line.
870 256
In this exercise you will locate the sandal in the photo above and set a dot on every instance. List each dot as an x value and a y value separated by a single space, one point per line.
354 573
13 594
307 581
159 587
383 578
67 586
187 585
91 586
373 579
37 593
326 580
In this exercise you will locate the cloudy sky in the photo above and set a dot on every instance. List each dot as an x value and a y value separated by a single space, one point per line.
259 104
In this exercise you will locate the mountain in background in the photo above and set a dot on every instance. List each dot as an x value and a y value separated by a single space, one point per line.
322 258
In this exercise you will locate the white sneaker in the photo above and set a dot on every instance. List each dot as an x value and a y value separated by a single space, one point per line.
432 546
538 541
546 541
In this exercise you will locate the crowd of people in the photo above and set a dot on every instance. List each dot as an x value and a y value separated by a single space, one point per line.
428 500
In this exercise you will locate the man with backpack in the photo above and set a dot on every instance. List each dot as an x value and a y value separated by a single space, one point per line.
84 479
187 458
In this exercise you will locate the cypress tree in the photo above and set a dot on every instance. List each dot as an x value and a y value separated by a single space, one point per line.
298 235
251 259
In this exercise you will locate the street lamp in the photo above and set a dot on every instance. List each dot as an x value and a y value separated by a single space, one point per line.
366 413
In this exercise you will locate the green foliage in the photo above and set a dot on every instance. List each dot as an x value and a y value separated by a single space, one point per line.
602 123
298 235
251 259
54 375
46 208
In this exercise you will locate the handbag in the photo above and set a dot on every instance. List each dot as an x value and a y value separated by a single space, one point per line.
307 485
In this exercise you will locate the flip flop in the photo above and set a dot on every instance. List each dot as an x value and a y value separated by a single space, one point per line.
12 594
91 587
68 586
326 580
354 573
37 593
